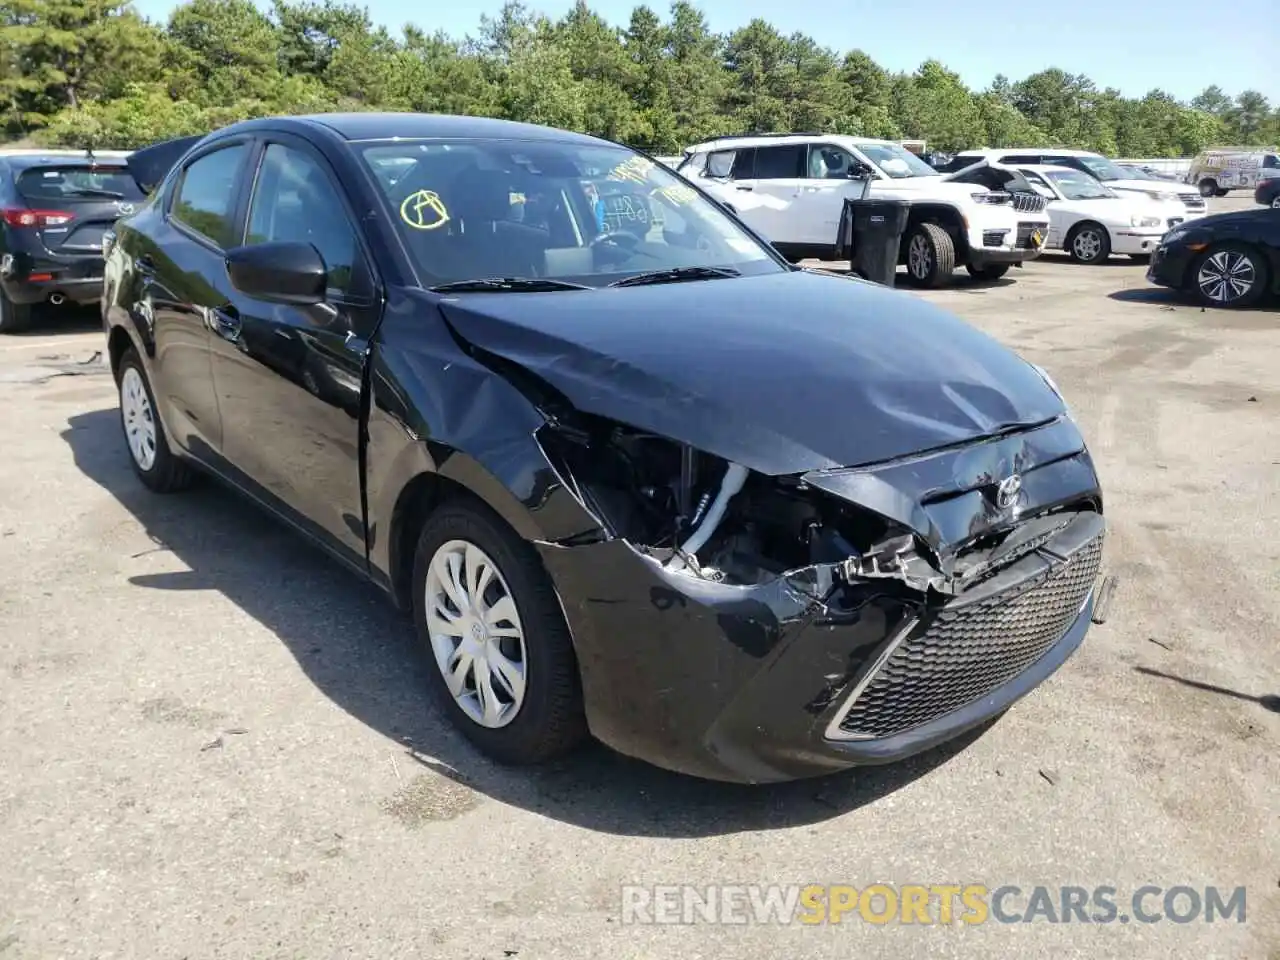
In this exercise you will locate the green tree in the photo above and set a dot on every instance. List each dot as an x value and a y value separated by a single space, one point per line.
1248 118
222 51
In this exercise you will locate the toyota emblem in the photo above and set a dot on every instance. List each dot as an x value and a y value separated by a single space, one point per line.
1007 492
124 208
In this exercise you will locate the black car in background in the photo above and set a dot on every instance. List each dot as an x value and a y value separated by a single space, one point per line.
1267 192
55 207
1224 260
629 471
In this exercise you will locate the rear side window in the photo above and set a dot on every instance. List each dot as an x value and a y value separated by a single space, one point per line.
1271 162
780 163
1020 158
67 184
205 196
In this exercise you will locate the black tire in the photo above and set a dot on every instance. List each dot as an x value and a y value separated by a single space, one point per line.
1275 202
1089 242
1140 257
549 722
936 259
1239 261
14 317
1208 187
992 271
1220 192
165 473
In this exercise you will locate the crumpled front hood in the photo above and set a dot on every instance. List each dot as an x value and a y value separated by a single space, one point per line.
782 373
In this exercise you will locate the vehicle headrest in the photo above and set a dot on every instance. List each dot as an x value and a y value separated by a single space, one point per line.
476 194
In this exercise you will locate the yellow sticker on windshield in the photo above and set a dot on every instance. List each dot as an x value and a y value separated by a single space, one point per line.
678 194
424 210
635 169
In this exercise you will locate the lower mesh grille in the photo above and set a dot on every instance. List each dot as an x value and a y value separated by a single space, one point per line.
971 649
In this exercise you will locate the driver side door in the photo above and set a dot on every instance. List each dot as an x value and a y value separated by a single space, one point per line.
289 377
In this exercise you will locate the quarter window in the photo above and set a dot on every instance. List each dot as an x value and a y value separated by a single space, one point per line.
295 201
720 164
204 201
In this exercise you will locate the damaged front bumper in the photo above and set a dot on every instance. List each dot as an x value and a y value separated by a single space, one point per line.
868 660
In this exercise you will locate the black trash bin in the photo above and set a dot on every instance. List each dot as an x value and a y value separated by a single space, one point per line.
878 226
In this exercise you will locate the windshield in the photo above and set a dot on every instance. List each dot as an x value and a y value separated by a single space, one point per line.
586 214
1135 173
64 184
1076 185
896 161
1103 169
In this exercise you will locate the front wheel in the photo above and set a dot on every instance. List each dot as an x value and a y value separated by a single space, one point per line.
1089 243
14 317
1275 202
1229 275
991 271
488 617
931 255
1220 192
1208 188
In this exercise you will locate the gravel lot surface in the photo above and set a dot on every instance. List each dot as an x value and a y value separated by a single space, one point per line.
216 742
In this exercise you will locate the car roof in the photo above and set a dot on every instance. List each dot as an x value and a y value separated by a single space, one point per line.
356 127
783 140
1000 151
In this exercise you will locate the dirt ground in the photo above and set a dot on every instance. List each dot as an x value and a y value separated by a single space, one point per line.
215 742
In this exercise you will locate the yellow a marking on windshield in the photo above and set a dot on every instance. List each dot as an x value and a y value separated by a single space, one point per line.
424 210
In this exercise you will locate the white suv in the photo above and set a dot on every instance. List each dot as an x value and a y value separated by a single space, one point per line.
791 189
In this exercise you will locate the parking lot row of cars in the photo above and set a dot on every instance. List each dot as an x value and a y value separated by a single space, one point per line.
989 209
984 210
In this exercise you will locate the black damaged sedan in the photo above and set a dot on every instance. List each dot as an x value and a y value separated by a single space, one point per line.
631 473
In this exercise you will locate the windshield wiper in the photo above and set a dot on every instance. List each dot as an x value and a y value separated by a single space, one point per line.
507 285
676 275
91 192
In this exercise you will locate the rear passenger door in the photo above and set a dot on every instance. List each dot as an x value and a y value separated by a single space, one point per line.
182 282
779 177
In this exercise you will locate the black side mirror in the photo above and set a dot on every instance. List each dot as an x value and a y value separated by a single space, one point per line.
279 272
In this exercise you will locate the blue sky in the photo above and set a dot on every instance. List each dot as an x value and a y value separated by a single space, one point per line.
1178 45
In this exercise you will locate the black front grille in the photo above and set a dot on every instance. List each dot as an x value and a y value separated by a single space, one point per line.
970 649
1023 238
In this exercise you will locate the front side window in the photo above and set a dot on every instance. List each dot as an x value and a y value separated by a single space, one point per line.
294 201
830 163
586 214
1271 162
896 161
205 197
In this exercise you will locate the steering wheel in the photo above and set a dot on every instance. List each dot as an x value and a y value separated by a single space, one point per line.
619 238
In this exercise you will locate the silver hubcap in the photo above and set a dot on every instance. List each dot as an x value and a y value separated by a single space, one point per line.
1226 276
476 634
139 421
1087 244
919 257
1275 204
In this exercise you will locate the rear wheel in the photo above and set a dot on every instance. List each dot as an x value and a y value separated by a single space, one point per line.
931 255
14 317
144 436
490 621
1275 202
1089 243
992 271
1220 192
1229 275
1208 187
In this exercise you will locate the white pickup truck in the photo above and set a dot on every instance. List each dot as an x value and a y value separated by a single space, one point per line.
791 189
